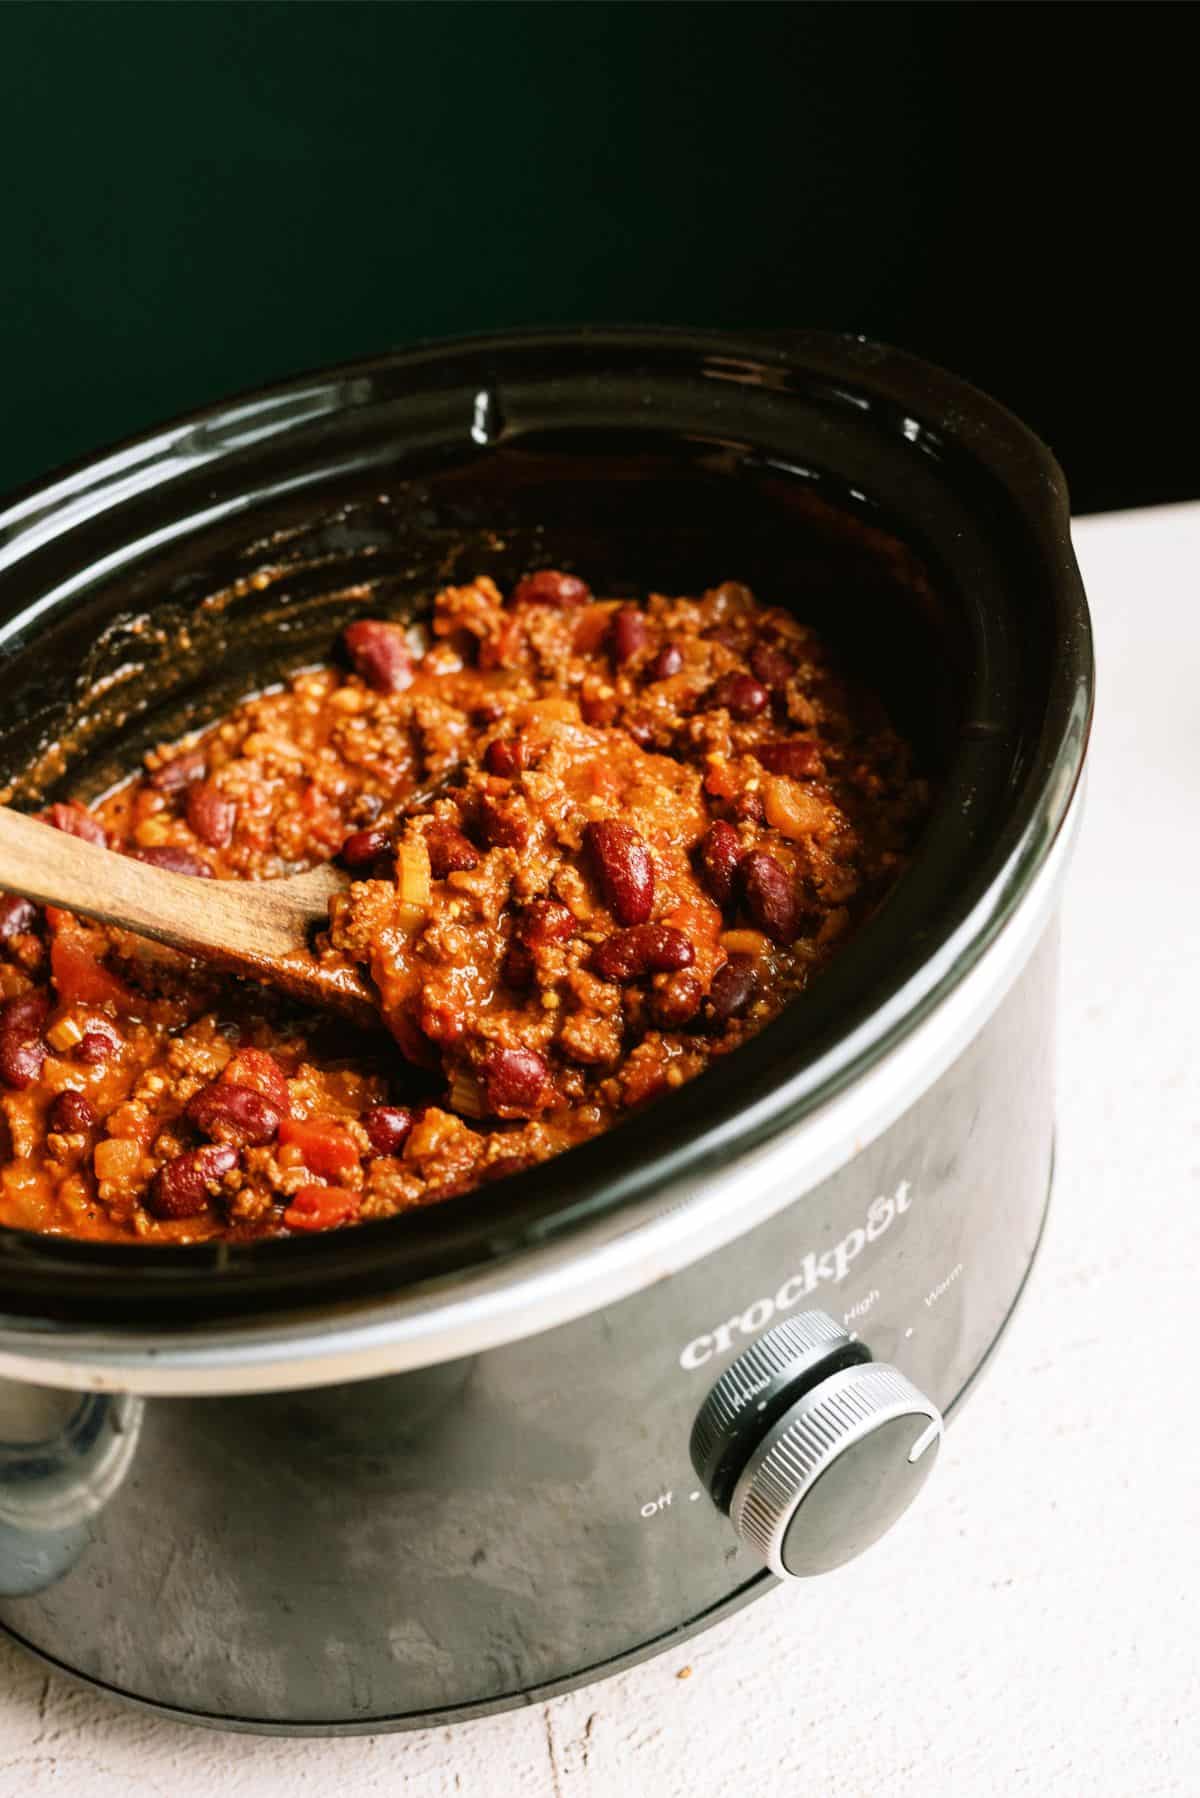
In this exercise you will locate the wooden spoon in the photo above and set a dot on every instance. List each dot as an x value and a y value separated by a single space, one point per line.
256 928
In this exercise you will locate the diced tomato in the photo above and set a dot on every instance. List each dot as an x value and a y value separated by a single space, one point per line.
320 1207
79 976
603 779
325 1146
699 919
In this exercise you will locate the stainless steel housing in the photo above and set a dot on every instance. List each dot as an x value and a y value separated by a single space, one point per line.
442 1465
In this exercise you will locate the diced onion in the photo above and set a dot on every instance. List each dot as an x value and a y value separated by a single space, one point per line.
790 809
558 707
744 942
116 1158
466 1095
64 1035
413 880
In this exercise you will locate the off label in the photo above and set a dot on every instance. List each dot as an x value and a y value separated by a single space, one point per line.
654 1507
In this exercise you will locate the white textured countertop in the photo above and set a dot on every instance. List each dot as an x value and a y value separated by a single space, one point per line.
1033 1626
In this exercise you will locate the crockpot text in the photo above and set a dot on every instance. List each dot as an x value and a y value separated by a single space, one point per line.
814 1271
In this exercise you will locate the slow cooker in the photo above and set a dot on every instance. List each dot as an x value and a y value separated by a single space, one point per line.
472 1456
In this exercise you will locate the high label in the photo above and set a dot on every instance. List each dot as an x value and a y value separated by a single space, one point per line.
815 1270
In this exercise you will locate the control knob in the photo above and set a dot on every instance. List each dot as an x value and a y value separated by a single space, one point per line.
812 1448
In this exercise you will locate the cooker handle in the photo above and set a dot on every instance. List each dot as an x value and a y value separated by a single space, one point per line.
63 1456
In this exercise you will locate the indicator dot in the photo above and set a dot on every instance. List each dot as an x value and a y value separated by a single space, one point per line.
907 1334
761 1405
693 1496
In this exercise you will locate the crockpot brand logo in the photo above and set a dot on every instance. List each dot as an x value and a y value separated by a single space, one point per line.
814 1271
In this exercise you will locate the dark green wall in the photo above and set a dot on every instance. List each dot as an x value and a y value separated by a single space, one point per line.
197 197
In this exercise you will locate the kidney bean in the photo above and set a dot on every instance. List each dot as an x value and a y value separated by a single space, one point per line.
720 853
733 988
740 694
387 1127
321 1207
519 968
450 852
641 730
772 667
507 756
71 1114
505 826
630 633
645 949
98 1044
261 1072
175 861
6 1141
748 807
179 772
489 711
677 1000
77 823
624 868
380 653
22 1050
599 709
516 1081
227 1112
502 646
798 758
549 587
182 1187
593 624
362 848
768 896
667 662
17 916
547 921
211 815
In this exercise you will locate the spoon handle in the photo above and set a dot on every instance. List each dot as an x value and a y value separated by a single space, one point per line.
238 921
